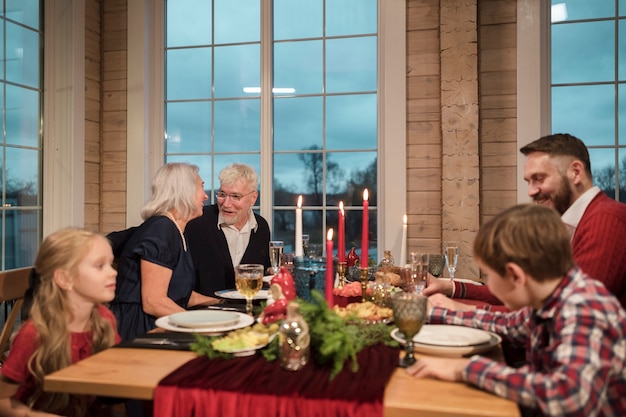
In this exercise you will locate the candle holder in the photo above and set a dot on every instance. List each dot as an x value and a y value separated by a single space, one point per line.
342 270
365 276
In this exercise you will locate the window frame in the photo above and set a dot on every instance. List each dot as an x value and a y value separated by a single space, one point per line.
145 153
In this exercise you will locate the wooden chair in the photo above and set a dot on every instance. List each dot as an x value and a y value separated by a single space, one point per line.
13 285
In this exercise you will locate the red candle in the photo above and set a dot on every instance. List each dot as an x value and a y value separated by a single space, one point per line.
364 234
330 276
341 238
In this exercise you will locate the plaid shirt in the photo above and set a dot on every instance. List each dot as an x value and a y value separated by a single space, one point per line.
575 349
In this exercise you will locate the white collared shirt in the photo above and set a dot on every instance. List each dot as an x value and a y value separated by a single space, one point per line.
238 239
575 212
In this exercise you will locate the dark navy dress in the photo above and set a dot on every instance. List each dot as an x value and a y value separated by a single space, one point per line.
158 241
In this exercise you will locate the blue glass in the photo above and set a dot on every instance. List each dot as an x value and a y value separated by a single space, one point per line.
351 65
22 177
587 112
22 55
297 19
22 116
188 127
237 125
583 52
299 65
188 74
351 121
189 22
236 67
298 123
351 17
21 234
583 9
237 21
24 11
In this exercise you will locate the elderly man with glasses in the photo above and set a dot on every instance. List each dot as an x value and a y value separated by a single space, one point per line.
228 233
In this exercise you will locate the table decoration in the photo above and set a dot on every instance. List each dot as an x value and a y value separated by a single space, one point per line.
365 231
298 237
403 242
342 264
330 272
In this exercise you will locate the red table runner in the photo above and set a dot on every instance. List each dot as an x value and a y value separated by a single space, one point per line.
254 387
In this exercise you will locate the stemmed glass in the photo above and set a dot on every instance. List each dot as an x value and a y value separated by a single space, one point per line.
451 253
409 314
249 280
276 254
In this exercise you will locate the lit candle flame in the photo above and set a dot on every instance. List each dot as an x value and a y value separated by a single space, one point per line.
365 195
405 219
299 201
329 235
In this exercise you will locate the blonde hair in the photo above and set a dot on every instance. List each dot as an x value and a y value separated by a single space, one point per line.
173 187
239 172
534 237
51 311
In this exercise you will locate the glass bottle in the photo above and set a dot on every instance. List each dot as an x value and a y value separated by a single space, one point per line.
294 339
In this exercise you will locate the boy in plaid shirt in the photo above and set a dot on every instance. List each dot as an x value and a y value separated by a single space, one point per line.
573 328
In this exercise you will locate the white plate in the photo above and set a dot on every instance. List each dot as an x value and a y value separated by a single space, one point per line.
249 351
236 295
268 278
203 318
449 351
244 321
447 335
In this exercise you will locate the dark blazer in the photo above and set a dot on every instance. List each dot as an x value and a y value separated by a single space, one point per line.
209 250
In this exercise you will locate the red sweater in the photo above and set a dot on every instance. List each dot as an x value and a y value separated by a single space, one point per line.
598 246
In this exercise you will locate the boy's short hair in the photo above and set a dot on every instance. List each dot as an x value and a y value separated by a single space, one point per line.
532 236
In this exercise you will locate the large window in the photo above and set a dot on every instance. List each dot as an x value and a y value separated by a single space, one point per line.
20 76
588 83
290 87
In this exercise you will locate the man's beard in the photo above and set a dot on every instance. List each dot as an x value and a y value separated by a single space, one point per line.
562 199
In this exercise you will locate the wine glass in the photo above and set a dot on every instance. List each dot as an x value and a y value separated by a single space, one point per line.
276 254
451 253
409 314
249 280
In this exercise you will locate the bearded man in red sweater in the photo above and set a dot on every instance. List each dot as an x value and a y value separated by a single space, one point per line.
558 172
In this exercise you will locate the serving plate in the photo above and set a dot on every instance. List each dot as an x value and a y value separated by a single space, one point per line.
448 335
248 351
244 320
236 295
203 319
449 351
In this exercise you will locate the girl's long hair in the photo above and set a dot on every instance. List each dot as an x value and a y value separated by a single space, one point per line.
51 313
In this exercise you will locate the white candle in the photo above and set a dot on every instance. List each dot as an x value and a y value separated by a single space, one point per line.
299 227
403 247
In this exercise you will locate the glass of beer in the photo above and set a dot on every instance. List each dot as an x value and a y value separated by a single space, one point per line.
249 280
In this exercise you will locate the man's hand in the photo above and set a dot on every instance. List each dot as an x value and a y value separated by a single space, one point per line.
440 300
438 286
447 369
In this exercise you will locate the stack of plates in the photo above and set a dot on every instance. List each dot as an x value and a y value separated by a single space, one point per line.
204 321
447 340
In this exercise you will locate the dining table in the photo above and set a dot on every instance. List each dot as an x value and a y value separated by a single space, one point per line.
135 373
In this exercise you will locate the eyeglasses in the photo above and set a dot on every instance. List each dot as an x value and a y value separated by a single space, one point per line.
233 197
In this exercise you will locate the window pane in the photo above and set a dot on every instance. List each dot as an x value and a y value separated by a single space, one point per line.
236 67
583 52
203 162
237 21
188 73
622 7
621 115
298 123
294 19
349 173
587 112
295 174
351 122
622 175
299 65
22 177
603 169
21 236
188 127
351 65
622 49
237 125
22 55
351 17
2 49
22 116
24 11
188 23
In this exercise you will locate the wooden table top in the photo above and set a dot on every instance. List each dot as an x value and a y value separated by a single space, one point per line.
135 373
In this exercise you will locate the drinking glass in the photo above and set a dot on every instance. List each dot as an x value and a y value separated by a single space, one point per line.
419 270
409 314
276 254
249 280
451 253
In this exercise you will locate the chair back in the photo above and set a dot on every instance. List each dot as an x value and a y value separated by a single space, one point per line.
13 286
